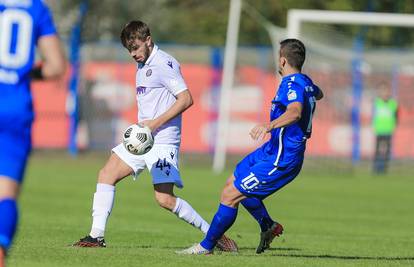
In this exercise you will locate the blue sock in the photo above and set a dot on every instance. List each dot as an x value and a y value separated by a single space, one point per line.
8 221
258 210
222 221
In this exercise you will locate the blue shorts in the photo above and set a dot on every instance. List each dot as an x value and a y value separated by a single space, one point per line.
15 148
257 176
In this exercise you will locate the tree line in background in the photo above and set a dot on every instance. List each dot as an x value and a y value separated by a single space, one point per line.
205 22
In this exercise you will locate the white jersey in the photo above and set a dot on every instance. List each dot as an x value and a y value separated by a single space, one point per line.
158 82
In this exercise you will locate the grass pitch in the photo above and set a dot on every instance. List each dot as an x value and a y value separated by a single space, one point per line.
330 219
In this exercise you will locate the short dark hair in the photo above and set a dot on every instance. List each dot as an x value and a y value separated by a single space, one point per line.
133 30
294 51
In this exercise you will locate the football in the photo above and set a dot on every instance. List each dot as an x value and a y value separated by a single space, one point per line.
138 139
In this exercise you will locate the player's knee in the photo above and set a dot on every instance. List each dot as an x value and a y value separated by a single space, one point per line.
228 201
165 201
106 176
225 198
230 195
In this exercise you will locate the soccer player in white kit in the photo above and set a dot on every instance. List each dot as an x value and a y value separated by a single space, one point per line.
162 96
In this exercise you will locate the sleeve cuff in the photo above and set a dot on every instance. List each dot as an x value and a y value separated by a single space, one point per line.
180 91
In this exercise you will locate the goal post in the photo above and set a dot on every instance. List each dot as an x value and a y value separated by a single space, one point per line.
227 83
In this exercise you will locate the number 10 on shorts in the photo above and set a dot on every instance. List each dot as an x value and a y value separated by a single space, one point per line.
249 182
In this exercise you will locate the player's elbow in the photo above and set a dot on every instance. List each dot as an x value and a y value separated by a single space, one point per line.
296 115
60 67
54 62
188 101
55 69
185 99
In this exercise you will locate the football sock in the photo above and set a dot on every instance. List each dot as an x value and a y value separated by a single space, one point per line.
258 210
222 221
185 212
103 201
8 222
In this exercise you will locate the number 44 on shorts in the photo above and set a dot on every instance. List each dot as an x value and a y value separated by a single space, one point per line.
162 163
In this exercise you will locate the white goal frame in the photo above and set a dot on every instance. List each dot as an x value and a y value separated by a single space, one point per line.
297 16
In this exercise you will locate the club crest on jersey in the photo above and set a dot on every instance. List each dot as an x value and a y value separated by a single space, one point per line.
148 73
291 95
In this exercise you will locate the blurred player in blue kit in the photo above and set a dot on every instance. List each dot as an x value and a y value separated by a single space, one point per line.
24 24
277 162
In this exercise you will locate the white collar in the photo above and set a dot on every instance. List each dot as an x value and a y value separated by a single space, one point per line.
151 57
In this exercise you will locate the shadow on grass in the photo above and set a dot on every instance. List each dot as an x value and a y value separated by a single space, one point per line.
279 249
338 257
326 256
240 248
178 248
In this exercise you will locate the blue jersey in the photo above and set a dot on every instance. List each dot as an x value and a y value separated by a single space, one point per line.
288 144
22 23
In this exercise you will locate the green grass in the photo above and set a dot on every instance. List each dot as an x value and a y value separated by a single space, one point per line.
330 219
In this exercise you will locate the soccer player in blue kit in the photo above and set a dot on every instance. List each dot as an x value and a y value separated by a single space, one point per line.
277 162
23 25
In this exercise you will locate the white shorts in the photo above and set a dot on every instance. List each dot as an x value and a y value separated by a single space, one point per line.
161 161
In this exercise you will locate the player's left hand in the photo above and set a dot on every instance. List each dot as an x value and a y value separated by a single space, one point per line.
152 124
259 131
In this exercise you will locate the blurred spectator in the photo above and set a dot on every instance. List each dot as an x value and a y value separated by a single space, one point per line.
385 119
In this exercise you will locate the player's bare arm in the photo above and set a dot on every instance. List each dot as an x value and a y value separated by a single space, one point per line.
183 102
53 60
292 114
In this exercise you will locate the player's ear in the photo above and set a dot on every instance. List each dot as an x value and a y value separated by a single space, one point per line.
283 61
148 40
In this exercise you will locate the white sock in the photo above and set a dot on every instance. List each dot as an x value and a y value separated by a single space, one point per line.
186 213
103 201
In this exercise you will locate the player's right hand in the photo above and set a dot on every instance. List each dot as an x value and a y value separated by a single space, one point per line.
259 131
152 124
